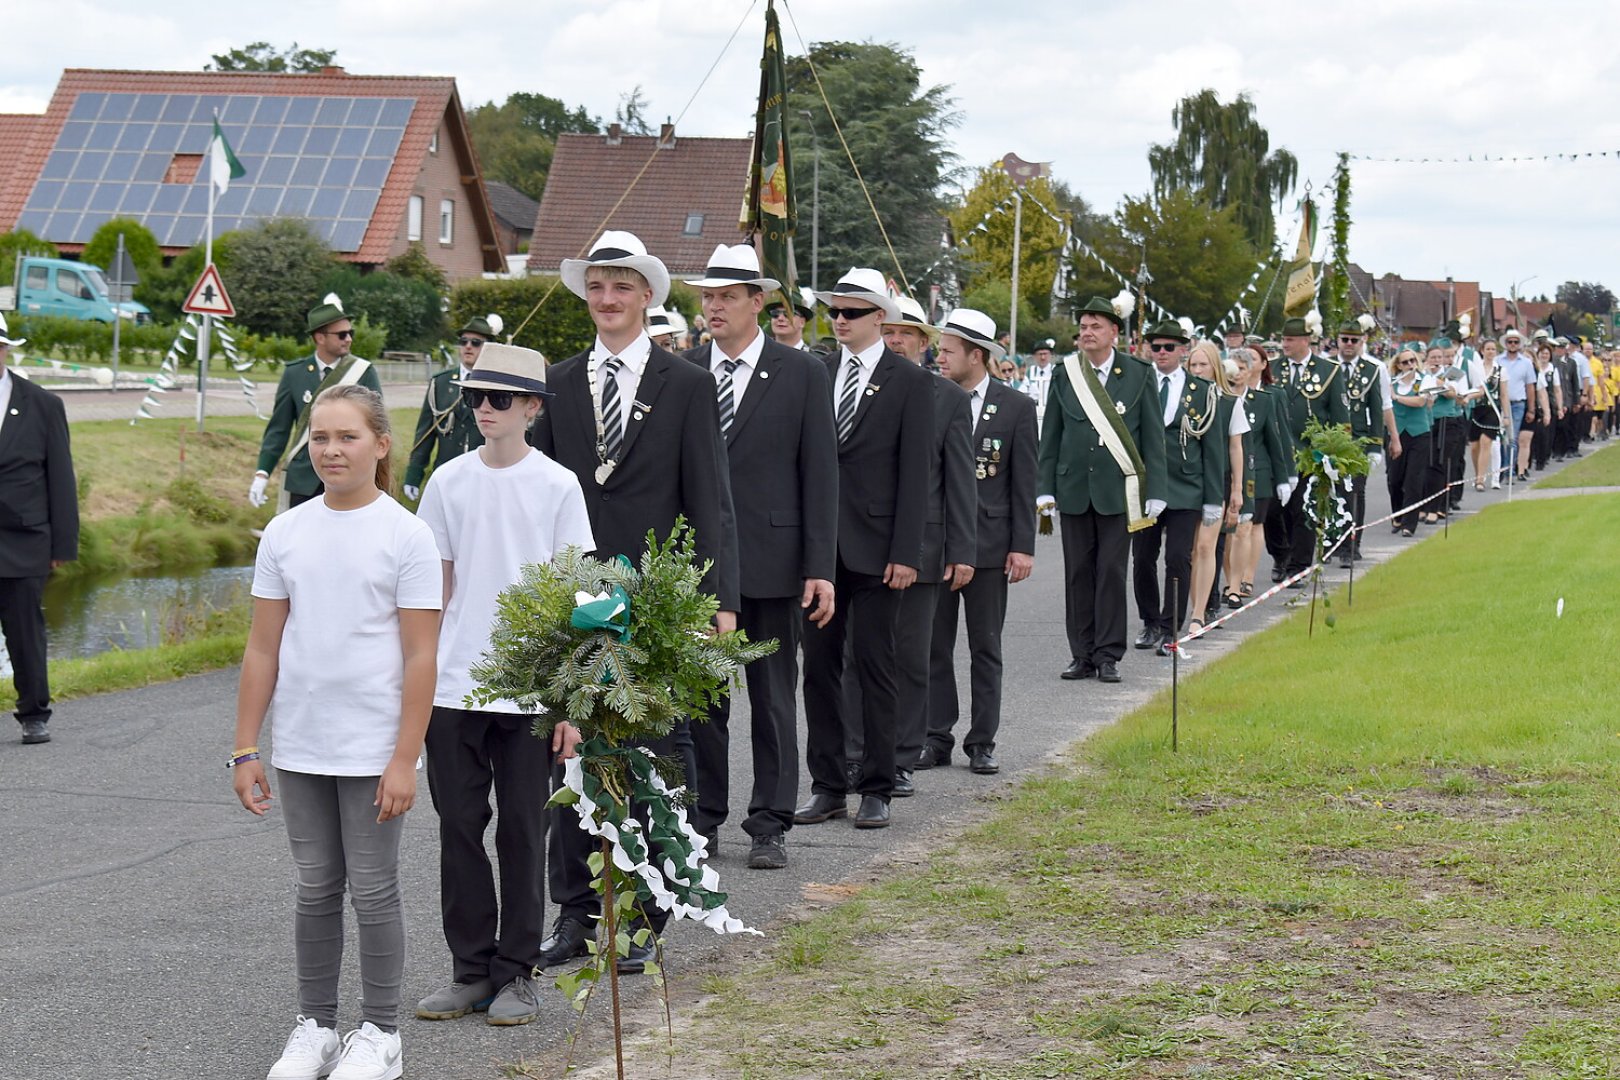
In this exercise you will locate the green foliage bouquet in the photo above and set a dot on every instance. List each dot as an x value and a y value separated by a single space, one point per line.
1329 455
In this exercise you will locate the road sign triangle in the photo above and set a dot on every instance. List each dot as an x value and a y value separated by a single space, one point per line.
208 296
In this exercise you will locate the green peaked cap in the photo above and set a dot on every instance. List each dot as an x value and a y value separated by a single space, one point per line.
1099 306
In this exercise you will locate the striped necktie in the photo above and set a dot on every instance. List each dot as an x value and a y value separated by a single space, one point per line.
846 398
727 396
612 422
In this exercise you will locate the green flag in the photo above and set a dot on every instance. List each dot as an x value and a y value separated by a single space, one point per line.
222 164
1300 295
770 213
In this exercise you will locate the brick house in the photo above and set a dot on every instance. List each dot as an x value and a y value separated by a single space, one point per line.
514 216
373 163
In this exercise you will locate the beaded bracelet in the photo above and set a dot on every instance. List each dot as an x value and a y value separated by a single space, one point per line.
242 759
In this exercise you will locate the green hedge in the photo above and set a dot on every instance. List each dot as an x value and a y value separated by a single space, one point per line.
85 341
561 328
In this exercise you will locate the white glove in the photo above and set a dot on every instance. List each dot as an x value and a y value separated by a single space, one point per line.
1377 459
256 496
1154 508
1046 504
1285 489
413 493
1212 513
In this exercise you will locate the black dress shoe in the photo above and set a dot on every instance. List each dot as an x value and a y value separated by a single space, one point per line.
873 814
1346 562
713 837
1149 637
567 941
931 756
34 732
635 962
1079 669
821 808
1107 672
768 852
1276 574
903 788
983 762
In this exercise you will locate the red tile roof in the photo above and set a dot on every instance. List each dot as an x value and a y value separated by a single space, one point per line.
589 177
436 100
17 131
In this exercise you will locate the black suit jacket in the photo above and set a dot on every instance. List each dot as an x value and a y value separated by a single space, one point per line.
1005 440
949 535
672 463
783 453
39 498
883 466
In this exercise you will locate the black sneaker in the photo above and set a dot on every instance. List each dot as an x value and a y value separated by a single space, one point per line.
34 731
768 852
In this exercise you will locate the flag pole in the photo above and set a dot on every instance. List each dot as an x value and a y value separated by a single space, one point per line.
1018 235
208 260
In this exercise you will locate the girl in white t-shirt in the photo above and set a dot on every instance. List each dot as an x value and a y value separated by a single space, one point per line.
342 653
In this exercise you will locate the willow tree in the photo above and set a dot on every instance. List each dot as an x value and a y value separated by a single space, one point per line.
1223 155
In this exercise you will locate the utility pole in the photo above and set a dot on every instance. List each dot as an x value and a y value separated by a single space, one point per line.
815 203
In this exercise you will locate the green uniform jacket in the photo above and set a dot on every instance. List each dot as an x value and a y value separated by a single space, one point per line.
1317 395
1270 445
1075 467
1364 397
300 379
1195 474
446 428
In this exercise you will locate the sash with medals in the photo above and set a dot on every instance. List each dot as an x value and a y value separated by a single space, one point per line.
1111 430
345 372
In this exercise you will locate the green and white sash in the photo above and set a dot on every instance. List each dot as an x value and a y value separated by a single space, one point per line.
1100 410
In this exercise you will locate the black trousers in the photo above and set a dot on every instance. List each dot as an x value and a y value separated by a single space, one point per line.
772 686
468 753
22 621
1409 477
913 642
1290 540
1174 533
566 868
873 609
983 602
1356 495
1096 550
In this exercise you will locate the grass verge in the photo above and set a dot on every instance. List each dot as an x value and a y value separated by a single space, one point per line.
1383 852
1599 468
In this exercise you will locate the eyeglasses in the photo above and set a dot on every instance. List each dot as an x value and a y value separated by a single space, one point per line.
850 313
1164 346
474 342
1349 339
499 400
338 333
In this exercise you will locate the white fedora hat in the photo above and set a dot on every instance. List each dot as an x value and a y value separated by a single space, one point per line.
5 331
661 321
735 265
616 248
508 367
861 283
911 314
975 328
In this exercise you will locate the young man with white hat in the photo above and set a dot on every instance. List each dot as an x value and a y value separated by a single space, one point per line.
776 419
640 429
39 529
446 428
1003 445
948 541
666 327
493 511
883 412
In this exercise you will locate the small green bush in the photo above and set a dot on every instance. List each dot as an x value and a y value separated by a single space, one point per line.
21 242
560 329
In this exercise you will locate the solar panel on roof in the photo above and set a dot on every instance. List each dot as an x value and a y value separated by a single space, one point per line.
324 159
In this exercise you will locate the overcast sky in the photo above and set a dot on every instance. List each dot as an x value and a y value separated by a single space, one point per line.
1086 84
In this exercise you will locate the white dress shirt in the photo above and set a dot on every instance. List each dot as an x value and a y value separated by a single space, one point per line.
976 398
1178 381
5 395
865 361
747 361
635 362
1037 382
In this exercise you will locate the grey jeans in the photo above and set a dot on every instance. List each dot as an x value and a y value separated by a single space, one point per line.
335 839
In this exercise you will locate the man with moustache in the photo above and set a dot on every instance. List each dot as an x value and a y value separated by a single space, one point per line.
1003 443
776 419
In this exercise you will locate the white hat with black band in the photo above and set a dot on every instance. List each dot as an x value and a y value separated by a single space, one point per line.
975 328
616 248
911 314
863 285
735 265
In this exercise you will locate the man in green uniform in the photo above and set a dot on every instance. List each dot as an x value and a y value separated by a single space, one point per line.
301 382
1311 391
1362 389
446 428
1101 470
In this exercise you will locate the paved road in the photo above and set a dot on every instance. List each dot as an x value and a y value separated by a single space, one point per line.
146 918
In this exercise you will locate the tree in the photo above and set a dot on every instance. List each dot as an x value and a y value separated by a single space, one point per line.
986 256
274 273
1224 155
21 242
139 242
262 56
1200 257
1588 296
895 130
516 139
631 115
406 309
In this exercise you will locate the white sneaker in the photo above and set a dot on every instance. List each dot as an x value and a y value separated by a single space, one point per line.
1496 485
370 1054
312 1052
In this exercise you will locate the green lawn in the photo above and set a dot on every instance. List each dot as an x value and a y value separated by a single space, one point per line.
1599 468
1385 851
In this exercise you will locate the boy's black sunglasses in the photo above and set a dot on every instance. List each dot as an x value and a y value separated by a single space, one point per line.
499 400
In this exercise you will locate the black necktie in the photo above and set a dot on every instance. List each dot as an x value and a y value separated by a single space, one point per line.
612 423
1164 392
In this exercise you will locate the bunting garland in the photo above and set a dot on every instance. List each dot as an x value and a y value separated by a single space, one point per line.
168 376
1487 159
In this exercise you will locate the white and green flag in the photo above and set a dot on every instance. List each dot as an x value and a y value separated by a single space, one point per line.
222 164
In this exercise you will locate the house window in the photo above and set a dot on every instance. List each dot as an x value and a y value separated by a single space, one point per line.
413 219
433 143
447 220
694 225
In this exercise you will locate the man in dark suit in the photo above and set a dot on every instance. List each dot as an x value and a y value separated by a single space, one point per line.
776 419
1102 471
638 426
301 383
1311 390
1003 445
883 412
949 542
1195 488
39 530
